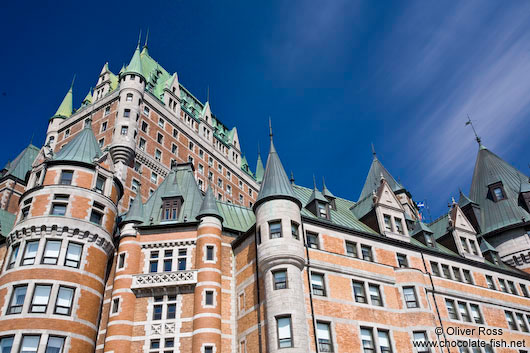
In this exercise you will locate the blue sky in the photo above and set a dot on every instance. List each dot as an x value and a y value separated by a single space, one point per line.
334 76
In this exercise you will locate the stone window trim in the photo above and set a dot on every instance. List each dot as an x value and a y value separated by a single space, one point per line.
13 255
366 294
243 346
122 260
203 298
101 173
375 338
316 290
456 304
324 346
205 253
402 260
241 302
116 305
409 302
270 223
354 246
497 191
208 345
290 338
278 285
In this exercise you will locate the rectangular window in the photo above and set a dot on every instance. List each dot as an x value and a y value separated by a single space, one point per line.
170 209
280 279
467 276
154 177
384 341
410 297
445 271
475 313
511 322
284 332
129 97
402 260
208 349
375 295
456 274
317 284
388 223
17 299
473 246
450 305
502 283
66 177
51 252
490 282
181 263
171 311
312 240
358 292
399 225
124 130
73 255
275 229
141 144
104 126
294 230
115 305
209 253
30 344
420 341
100 183
464 313
41 296
160 138
63 305
208 297
464 244
324 337
522 324
96 217
511 287
168 264
13 257
524 290
157 312
121 260
55 344
126 114
58 209
351 249
30 253
366 252
6 343
435 269
367 340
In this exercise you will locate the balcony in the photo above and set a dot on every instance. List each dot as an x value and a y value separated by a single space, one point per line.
164 283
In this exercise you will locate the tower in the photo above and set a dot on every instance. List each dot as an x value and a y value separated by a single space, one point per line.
281 259
132 85
63 112
59 250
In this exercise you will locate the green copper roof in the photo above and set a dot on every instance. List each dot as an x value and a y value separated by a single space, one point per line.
22 164
421 227
136 211
275 182
317 195
66 107
259 169
341 217
182 178
525 186
325 190
209 206
489 169
373 179
439 226
135 65
236 217
485 246
88 97
83 148
7 221
362 207
245 167
464 200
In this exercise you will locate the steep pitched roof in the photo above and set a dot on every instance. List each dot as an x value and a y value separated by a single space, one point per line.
209 206
83 148
22 164
135 65
439 226
181 178
275 181
325 190
316 195
136 211
421 227
88 97
485 246
7 221
65 109
489 169
362 207
259 169
464 200
374 176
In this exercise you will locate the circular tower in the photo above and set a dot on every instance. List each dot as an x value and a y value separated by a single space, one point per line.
281 259
52 283
132 85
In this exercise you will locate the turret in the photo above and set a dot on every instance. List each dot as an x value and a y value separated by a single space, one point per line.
63 112
59 248
132 86
281 259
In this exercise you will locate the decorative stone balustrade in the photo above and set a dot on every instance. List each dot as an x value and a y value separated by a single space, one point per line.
163 283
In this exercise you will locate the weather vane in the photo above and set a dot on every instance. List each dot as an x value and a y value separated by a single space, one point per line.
469 122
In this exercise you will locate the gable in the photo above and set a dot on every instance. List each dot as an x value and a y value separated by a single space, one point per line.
460 221
386 197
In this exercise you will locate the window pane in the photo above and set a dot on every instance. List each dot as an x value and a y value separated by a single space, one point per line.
40 298
284 332
6 344
55 344
17 301
29 344
51 252
73 255
64 301
31 252
384 341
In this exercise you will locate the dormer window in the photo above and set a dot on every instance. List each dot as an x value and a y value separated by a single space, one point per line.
497 191
170 209
323 210
428 240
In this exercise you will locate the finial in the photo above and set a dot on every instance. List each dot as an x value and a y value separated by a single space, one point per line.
373 150
259 153
469 122
208 94
146 38
73 80
381 176
323 183
314 182
292 178
32 136
453 200
270 128
139 39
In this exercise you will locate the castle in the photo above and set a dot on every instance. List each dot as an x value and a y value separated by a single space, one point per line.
140 227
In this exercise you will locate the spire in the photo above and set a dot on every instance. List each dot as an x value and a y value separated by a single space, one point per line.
373 179
275 183
146 39
477 138
135 65
65 109
83 148
463 199
292 178
136 210
373 151
259 167
325 190
209 206
88 97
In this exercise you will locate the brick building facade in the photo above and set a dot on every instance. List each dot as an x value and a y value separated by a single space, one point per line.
139 227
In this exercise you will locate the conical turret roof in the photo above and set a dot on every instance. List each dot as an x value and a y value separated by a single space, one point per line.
135 65
490 169
464 200
275 183
325 190
22 163
83 148
485 246
88 97
65 109
373 179
136 211
209 206
259 169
